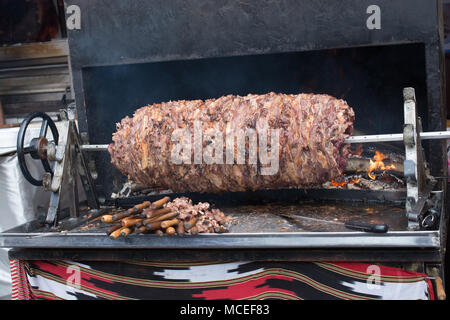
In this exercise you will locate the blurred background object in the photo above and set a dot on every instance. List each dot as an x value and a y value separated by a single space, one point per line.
34 76
34 72
25 21
446 4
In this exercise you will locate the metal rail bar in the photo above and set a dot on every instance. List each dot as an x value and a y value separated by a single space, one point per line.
376 255
393 239
397 137
94 147
391 137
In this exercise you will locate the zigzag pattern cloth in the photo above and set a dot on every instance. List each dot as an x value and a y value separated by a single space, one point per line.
125 280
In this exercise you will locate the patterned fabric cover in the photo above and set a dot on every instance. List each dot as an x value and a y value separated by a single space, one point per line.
208 280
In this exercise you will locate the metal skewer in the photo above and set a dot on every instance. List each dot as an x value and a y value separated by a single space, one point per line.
391 137
94 147
355 225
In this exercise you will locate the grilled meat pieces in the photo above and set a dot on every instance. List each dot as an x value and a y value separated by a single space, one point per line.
311 130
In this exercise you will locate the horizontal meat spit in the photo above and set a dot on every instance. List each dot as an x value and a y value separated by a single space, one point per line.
391 137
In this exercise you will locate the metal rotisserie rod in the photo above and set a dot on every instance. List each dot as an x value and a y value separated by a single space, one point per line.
391 137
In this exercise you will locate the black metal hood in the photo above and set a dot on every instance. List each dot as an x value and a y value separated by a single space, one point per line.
127 54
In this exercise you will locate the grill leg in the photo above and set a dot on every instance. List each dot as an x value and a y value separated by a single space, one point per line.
414 165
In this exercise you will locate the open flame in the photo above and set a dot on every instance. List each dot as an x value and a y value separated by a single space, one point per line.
375 164
378 164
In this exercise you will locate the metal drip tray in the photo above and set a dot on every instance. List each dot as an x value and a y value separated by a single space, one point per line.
271 225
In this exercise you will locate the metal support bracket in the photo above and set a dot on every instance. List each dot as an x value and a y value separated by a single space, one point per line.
69 163
417 190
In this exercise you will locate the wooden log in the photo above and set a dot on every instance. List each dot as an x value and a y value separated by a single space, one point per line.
170 231
154 213
153 226
126 231
163 217
440 291
130 222
180 229
116 233
355 165
141 206
158 204
121 215
107 218
141 229
189 224
113 228
169 223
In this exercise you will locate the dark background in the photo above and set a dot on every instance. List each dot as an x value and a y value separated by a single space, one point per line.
28 21
25 21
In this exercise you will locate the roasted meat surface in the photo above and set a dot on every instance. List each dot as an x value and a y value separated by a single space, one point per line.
310 149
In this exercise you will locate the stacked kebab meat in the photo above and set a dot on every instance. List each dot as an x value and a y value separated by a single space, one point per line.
179 217
312 150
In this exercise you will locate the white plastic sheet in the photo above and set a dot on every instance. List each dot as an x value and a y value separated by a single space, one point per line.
18 202
19 199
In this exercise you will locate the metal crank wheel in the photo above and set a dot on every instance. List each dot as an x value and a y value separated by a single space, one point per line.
38 146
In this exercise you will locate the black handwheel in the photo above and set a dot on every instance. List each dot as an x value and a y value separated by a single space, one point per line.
38 146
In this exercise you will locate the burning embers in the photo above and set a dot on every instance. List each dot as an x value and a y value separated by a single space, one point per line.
378 164
346 181
372 174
